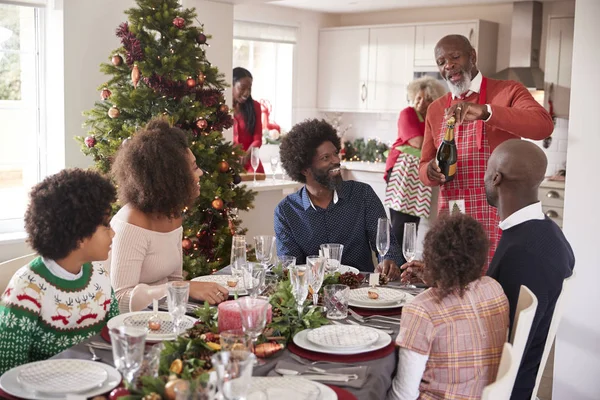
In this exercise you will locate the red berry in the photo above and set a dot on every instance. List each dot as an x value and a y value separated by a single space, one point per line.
118 392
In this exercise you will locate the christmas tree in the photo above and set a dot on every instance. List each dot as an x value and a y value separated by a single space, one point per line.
161 69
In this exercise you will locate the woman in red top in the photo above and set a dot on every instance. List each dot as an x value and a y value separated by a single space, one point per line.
406 197
247 126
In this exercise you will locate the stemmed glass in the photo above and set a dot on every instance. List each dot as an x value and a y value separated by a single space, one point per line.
254 160
300 277
238 257
317 269
254 278
264 248
234 372
409 244
274 165
286 262
254 316
382 241
177 298
128 346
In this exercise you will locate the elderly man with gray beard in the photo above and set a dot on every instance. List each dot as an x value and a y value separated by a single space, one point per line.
488 112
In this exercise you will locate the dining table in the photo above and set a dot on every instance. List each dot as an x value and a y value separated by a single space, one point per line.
376 385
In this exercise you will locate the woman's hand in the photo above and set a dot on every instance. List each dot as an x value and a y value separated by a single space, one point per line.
208 291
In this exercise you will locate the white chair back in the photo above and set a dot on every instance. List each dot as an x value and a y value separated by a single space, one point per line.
8 269
556 317
526 307
502 388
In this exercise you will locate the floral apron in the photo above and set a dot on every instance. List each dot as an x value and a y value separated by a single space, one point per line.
466 193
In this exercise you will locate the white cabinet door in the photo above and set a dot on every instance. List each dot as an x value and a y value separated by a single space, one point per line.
343 69
427 37
391 54
559 57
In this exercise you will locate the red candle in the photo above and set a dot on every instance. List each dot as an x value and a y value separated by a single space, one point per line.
229 316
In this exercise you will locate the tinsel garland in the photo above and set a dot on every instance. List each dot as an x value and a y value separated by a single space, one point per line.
166 86
209 97
222 121
131 44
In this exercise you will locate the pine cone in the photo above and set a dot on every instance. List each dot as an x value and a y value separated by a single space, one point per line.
350 279
383 280
276 312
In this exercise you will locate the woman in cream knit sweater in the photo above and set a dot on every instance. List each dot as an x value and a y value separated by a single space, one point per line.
157 177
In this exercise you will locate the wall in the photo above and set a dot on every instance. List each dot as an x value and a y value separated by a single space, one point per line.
557 152
307 48
577 356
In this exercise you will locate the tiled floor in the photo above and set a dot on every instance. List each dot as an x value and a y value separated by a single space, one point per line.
545 390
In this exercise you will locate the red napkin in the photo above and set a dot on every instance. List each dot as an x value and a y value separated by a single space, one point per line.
342 394
4 395
104 334
315 356
365 312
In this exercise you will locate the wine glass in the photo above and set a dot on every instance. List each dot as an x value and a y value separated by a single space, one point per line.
177 298
317 269
254 316
300 278
274 165
254 278
234 372
409 243
254 160
264 247
128 344
382 241
238 257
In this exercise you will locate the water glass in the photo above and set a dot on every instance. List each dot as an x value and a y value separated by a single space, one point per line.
255 160
254 279
128 344
178 293
336 301
300 277
317 269
234 373
264 245
382 241
333 254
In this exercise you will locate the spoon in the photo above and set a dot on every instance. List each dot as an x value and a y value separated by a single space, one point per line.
94 355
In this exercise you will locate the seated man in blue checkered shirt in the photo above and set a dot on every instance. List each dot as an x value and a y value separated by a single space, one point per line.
328 209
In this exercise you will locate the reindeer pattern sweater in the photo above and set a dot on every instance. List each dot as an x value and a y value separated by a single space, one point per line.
42 314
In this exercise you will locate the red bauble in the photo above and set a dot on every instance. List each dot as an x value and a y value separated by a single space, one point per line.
201 39
223 166
117 60
191 83
114 112
217 204
224 108
179 22
201 124
90 141
105 93
186 244
118 392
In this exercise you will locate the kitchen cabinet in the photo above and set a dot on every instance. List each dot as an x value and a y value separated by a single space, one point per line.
552 197
559 57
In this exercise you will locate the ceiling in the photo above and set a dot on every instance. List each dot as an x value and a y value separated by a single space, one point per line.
353 6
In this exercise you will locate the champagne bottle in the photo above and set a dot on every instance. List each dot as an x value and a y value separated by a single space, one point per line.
447 154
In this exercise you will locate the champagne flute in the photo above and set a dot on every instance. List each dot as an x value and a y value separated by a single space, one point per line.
382 242
238 258
317 274
274 164
409 244
300 277
254 161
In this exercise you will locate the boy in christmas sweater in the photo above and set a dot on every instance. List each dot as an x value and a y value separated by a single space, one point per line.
60 298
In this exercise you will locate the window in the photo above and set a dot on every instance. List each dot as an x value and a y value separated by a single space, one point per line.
267 51
21 135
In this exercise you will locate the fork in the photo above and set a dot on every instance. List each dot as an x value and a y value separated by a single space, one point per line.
308 362
378 327
384 318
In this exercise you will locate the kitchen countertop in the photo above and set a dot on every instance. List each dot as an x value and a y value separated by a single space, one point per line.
269 185
553 184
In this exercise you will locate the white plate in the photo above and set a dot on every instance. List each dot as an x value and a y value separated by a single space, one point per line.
360 297
287 388
222 280
9 382
139 319
342 336
57 377
301 340
344 268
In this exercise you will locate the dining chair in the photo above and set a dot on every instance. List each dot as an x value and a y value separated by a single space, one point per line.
556 317
501 389
8 269
526 307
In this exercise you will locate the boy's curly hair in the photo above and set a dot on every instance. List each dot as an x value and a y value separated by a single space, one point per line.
299 146
66 208
454 252
152 170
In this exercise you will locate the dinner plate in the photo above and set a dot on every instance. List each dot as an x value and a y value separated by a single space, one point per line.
62 376
301 340
360 297
342 336
139 319
222 280
288 388
9 382
344 268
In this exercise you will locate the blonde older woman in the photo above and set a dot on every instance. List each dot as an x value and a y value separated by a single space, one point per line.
406 197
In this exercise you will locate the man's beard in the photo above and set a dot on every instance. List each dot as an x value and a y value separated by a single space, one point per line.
461 87
323 178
